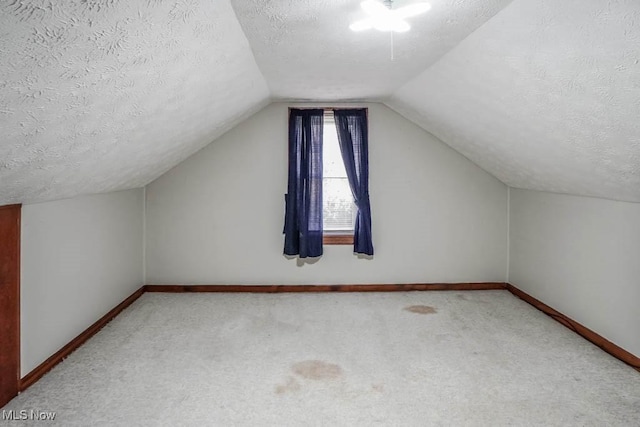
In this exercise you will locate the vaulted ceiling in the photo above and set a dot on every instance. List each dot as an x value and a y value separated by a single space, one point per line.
306 50
102 95
545 96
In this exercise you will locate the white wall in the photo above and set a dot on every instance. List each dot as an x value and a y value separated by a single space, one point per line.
80 258
581 256
217 218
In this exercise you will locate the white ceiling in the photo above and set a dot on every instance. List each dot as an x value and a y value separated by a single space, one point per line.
545 96
102 95
307 52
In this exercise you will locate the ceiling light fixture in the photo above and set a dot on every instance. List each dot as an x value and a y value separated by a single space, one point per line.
383 18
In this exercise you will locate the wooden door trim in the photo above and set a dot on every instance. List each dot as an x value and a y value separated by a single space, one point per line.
18 205
10 388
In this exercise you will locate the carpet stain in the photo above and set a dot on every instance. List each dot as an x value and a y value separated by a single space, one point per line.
317 370
377 387
290 386
421 309
462 297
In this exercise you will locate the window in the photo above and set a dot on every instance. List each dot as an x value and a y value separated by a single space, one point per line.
314 217
338 208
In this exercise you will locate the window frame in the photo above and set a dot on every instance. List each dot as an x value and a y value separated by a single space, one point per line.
337 238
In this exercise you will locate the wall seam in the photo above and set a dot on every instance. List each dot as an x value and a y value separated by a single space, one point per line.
144 235
508 270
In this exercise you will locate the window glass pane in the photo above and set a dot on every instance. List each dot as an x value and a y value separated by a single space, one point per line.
338 207
332 163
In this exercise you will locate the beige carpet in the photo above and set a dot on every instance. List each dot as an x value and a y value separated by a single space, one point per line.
393 359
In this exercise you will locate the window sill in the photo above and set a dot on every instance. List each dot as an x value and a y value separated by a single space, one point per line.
337 239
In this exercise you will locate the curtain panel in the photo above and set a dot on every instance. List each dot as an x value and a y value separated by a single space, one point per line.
353 137
303 201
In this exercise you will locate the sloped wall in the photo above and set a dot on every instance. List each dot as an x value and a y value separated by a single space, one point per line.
95 94
80 258
217 218
581 256
544 96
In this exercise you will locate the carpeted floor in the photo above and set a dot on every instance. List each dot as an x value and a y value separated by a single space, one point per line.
412 359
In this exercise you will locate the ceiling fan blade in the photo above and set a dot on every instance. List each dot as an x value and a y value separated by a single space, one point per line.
363 24
374 8
412 10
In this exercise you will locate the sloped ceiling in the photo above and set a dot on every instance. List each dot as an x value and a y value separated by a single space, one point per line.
545 96
101 95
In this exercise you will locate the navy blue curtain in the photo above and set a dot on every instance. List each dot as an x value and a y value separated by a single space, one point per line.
303 201
353 137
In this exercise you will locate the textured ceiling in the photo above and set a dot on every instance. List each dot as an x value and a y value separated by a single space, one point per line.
306 50
101 95
545 96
